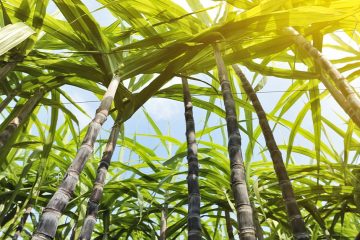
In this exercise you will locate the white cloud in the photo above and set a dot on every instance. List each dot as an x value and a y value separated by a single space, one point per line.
163 109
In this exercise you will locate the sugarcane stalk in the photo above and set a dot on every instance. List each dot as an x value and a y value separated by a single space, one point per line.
25 111
258 230
163 222
35 191
5 102
98 188
194 223
49 220
229 228
296 221
340 81
238 176
341 100
4 70
106 224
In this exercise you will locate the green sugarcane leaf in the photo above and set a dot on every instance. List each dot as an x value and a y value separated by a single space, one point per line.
12 35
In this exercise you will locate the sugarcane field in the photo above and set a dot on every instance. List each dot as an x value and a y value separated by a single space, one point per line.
179 119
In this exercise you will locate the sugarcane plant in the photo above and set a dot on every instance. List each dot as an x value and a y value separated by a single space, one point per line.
49 219
23 114
296 220
238 177
40 173
229 228
11 129
348 99
163 221
5 102
194 224
98 188
77 50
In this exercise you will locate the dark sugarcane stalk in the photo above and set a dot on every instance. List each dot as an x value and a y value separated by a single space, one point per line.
163 222
4 70
340 81
5 102
25 111
238 177
194 223
296 221
106 224
49 220
98 188
229 228
259 233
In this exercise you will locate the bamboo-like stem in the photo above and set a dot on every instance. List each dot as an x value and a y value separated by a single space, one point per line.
163 222
49 220
106 224
8 67
341 100
194 223
340 81
5 102
20 227
229 228
238 176
98 188
296 221
258 230
25 111
35 191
